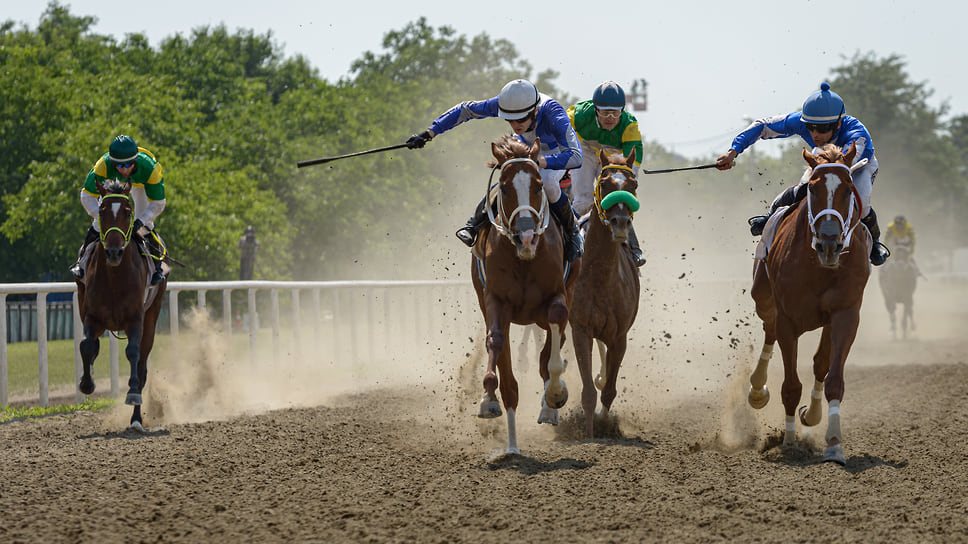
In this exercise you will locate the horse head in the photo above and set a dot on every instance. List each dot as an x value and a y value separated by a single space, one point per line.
522 207
116 218
832 191
615 198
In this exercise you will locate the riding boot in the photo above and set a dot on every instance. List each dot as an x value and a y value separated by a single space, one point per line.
879 252
92 236
633 242
468 233
154 252
788 197
565 216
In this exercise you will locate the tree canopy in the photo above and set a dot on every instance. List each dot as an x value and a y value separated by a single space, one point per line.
228 116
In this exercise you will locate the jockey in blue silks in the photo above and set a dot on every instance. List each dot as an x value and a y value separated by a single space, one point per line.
531 115
823 120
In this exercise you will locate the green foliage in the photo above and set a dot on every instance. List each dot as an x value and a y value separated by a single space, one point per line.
8 413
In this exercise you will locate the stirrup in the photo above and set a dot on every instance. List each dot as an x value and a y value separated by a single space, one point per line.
757 224
879 254
77 271
638 259
467 234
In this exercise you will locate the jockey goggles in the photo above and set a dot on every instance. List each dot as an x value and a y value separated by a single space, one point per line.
128 164
612 114
822 128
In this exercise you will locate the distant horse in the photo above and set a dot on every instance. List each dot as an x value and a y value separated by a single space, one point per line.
607 291
115 295
899 279
813 276
520 277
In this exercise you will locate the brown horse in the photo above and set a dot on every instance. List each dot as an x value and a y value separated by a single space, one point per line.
115 296
899 279
607 291
813 276
520 277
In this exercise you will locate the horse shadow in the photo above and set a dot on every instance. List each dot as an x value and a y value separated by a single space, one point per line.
803 455
127 434
530 466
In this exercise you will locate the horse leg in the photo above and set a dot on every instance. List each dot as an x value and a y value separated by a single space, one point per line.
90 347
582 340
133 352
787 337
843 325
821 363
602 370
762 294
496 342
615 355
556 392
509 391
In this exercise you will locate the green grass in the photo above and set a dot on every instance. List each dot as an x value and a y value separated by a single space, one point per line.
9 413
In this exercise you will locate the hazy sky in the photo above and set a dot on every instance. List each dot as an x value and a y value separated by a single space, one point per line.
708 63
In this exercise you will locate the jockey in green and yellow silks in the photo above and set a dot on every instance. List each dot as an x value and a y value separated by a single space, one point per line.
900 233
125 161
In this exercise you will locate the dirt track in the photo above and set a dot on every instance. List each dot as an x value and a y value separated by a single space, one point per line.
409 462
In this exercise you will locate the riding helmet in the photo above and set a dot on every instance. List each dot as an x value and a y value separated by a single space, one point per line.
517 99
823 106
123 149
609 96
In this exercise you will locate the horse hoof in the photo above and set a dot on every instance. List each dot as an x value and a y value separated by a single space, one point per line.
133 399
548 415
560 399
490 409
758 398
599 382
834 454
803 417
86 386
137 427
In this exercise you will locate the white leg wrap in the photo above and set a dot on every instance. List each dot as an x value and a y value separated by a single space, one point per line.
512 433
833 422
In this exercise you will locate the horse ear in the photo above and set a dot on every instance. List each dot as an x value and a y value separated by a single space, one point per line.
127 187
535 149
851 152
631 159
810 158
602 157
100 187
496 151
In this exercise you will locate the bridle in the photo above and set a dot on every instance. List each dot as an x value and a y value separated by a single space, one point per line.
126 234
615 197
847 225
504 220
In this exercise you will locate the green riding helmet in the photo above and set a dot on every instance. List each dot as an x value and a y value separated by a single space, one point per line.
123 149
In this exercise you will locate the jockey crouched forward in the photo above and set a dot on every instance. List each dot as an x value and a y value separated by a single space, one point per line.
125 161
823 120
530 115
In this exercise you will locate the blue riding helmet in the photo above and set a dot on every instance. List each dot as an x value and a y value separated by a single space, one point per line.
823 106
609 96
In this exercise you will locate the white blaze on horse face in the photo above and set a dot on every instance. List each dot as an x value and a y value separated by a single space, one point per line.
832 182
522 186
619 179
115 208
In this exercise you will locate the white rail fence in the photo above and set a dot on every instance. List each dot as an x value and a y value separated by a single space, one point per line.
354 312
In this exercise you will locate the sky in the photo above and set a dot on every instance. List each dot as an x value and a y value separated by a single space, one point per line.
710 65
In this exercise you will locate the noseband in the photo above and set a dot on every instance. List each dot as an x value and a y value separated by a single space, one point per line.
846 228
125 234
504 220
615 197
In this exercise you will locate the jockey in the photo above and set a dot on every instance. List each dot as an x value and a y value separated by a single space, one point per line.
603 123
823 120
900 233
125 161
530 114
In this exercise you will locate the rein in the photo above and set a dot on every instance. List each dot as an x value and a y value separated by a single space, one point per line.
125 234
503 221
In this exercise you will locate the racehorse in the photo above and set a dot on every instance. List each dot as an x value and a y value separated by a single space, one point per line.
114 294
519 274
814 275
607 291
899 279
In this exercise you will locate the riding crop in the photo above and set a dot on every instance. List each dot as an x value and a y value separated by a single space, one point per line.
666 170
311 162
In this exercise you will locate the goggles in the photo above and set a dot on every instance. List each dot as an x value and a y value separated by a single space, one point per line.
821 128
611 114
128 164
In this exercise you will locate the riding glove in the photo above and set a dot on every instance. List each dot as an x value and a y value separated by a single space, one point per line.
419 140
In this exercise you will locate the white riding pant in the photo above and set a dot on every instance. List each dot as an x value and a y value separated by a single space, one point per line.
550 179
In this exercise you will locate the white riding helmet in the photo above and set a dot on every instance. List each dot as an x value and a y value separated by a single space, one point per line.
517 99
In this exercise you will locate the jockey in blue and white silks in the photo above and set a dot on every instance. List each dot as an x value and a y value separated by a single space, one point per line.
822 120
531 115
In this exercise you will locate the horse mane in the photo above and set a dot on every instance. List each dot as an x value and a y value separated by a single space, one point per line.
511 147
830 153
113 186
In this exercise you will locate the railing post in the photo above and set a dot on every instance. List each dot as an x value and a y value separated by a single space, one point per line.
296 325
274 299
78 335
227 315
4 384
173 324
252 326
42 348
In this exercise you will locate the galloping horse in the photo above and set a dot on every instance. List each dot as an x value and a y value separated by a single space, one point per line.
899 279
607 291
114 295
520 277
813 276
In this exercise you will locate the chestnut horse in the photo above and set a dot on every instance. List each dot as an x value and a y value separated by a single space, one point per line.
813 276
607 291
114 294
520 277
899 279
